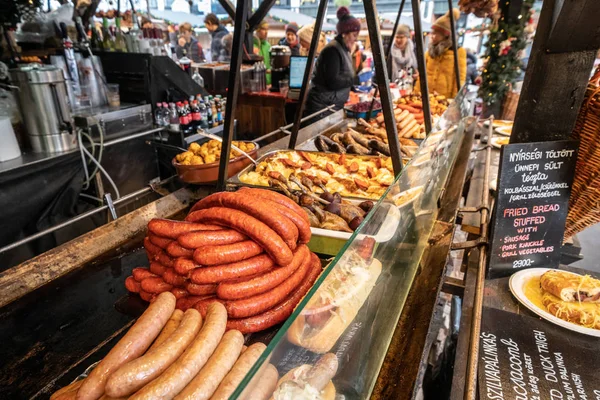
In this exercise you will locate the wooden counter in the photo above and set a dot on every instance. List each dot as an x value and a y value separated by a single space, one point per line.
259 113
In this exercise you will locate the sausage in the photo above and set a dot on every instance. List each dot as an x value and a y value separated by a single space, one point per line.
174 249
155 285
251 266
202 289
218 365
185 303
139 274
132 285
184 266
155 253
164 259
132 376
168 329
131 346
227 253
260 303
73 387
301 221
157 268
179 292
159 241
322 372
238 371
182 371
282 311
322 144
247 287
146 296
265 385
202 305
250 226
193 240
256 208
173 278
380 147
172 229
275 197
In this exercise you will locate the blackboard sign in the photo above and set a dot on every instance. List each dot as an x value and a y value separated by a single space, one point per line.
521 357
528 223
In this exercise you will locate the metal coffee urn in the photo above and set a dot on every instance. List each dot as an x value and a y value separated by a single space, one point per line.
45 107
280 65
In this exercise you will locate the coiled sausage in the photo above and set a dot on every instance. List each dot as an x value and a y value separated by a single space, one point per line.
227 253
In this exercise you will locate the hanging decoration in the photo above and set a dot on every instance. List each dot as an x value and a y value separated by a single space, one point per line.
480 8
502 59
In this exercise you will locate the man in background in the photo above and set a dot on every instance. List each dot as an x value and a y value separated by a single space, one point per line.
217 32
262 47
187 45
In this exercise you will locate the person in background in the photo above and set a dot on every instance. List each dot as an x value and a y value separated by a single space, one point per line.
472 73
291 38
358 58
227 42
439 59
188 45
217 31
334 73
403 56
146 23
262 47
305 35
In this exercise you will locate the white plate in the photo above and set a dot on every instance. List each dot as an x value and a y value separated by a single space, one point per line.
418 189
496 142
498 123
516 283
503 130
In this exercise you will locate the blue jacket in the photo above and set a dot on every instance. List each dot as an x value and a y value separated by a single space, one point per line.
216 46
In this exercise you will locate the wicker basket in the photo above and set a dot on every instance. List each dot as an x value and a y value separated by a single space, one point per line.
509 108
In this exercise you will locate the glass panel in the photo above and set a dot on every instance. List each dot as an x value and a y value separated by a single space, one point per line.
353 308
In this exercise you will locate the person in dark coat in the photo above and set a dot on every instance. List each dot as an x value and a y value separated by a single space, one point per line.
188 45
291 38
334 72
217 31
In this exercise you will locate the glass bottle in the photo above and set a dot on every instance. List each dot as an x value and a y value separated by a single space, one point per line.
120 44
107 40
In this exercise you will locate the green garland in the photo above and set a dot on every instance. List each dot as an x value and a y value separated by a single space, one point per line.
502 57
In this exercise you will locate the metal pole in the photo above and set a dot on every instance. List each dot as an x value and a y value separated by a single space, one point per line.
239 32
454 45
416 9
384 84
308 72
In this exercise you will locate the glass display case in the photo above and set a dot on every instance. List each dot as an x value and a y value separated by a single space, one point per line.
351 312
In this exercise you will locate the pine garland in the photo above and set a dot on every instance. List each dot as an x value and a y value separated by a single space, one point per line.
502 62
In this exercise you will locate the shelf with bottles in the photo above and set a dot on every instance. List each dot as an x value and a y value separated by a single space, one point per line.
187 116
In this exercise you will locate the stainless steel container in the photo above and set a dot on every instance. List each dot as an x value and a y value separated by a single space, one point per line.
45 107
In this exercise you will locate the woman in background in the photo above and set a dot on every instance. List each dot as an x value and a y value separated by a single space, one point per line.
402 57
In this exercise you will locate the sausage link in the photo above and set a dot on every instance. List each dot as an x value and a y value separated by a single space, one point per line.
139 274
155 253
185 303
202 305
168 329
260 303
172 229
73 387
183 266
256 208
282 311
238 371
132 285
174 249
132 376
157 268
151 248
146 296
218 365
135 342
277 198
247 287
227 253
182 371
251 266
173 278
265 385
164 259
251 227
155 285
159 241
179 292
301 221
201 290
194 240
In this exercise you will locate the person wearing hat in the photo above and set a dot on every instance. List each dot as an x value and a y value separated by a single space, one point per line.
402 57
439 59
262 47
305 35
291 38
334 72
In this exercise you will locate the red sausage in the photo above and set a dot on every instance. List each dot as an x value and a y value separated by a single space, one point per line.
184 303
184 266
172 229
227 253
173 278
262 302
146 296
266 237
282 311
164 259
249 267
151 248
159 241
202 305
179 293
155 285
157 268
194 240
301 221
201 290
174 249
132 285
139 274
277 198
247 287
258 209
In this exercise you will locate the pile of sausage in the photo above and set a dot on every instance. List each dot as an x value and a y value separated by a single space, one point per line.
171 354
246 250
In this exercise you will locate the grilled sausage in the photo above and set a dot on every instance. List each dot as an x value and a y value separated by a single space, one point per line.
146 296
201 290
276 197
173 278
155 285
159 241
172 229
251 266
379 146
238 371
227 253
194 240
265 384
132 285
179 292
139 274
187 302
157 268
184 266
174 249
168 329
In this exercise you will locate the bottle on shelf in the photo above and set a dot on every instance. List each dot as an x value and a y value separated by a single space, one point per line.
165 115
107 40
159 115
209 113
214 113
198 78
95 41
196 116
173 118
120 44
203 115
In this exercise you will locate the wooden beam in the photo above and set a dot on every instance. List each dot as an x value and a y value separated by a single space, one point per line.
576 27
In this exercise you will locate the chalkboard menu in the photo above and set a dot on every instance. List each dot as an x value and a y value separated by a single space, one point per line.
521 357
528 223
